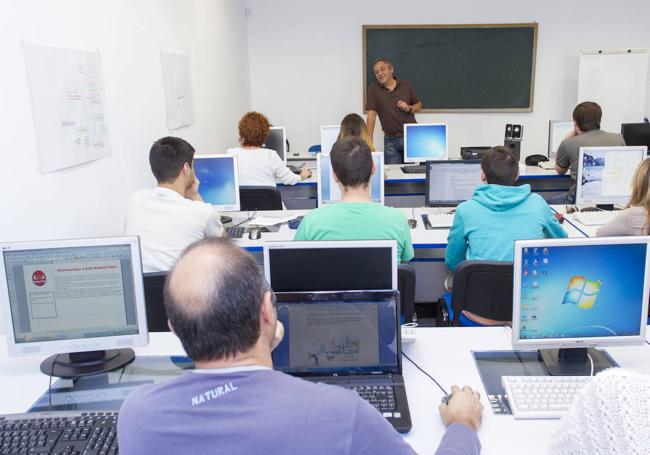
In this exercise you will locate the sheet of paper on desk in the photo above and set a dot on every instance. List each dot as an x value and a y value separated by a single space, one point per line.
270 220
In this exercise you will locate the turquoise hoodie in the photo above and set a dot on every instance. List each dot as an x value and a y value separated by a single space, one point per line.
486 226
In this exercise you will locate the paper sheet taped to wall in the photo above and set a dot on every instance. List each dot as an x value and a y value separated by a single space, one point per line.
177 83
66 89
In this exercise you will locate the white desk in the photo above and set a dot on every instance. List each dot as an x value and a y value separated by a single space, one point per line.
445 353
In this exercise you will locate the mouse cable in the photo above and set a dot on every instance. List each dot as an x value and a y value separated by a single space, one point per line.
425 373
247 219
647 342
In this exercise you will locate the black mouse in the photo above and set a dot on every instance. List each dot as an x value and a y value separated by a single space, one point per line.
446 398
254 234
413 223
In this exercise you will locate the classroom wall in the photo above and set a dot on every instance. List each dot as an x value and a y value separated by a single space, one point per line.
306 59
90 199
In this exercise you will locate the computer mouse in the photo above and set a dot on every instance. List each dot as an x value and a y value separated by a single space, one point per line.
446 398
254 234
413 223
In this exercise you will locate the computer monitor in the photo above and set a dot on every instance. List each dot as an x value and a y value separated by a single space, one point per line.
277 140
425 141
451 182
82 300
636 133
219 181
329 134
329 191
579 293
348 265
557 131
605 174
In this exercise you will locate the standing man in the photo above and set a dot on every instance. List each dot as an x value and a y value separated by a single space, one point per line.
395 101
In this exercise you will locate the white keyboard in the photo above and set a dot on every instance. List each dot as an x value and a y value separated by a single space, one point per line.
439 220
541 397
550 164
595 218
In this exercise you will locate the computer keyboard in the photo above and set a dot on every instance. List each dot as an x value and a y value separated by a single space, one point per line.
437 220
595 218
382 397
541 397
235 232
421 169
65 432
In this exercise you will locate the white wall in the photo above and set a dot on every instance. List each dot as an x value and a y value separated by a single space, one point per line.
90 199
306 67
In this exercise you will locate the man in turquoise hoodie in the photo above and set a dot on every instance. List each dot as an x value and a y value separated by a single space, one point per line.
486 226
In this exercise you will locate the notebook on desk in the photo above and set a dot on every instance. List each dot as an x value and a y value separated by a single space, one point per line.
348 339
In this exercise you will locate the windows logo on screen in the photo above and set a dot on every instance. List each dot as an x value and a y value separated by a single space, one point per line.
581 292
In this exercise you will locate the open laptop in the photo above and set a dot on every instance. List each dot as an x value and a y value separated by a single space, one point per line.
349 339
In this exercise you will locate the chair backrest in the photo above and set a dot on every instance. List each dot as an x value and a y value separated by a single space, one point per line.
406 288
260 198
484 288
154 283
314 148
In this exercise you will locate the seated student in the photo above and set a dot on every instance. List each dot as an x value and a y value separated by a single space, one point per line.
223 311
486 226
586 133
609 416
635 219
258 166
355 217
172 215
353 125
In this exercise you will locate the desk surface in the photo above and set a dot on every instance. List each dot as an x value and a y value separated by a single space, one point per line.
422 238
445 353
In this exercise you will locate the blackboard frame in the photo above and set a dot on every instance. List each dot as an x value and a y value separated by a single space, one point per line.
531 25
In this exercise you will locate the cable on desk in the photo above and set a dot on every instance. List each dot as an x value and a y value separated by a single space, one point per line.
647 342
425 373
247 219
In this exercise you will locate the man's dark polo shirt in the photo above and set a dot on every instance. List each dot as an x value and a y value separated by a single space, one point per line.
384 102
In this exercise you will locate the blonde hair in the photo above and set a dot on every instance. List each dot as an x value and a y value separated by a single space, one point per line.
353 125
641 190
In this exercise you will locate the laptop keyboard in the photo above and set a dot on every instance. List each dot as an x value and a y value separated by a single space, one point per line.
381 397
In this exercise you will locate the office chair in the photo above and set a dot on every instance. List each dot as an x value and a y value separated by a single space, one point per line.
406 288
314 148
481 287
260 198
154 283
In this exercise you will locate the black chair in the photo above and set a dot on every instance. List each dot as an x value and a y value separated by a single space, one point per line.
260 198
406 288
154 283
481 287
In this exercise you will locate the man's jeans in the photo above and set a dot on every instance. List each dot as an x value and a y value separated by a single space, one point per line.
393 149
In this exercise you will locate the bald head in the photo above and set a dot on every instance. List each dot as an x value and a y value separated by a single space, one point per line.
213 298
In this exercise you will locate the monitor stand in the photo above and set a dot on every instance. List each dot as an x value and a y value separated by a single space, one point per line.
76 364
225 219
573 361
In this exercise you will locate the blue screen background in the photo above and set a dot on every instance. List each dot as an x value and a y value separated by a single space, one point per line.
326 168
217 177
619 302
426 142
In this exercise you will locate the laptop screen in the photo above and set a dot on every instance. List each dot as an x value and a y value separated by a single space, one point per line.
334 333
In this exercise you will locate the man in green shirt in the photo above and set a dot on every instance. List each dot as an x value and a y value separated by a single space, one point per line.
356 217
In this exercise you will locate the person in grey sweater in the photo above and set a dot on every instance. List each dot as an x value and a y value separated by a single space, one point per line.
635 219
586 133
223 311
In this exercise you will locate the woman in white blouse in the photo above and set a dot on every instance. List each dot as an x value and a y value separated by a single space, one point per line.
259 166
635 219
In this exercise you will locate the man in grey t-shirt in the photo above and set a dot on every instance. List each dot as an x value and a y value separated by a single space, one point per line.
223 311
586 133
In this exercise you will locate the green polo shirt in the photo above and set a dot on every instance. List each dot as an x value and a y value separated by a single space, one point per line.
358 221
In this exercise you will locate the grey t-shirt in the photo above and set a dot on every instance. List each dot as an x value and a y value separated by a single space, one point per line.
569 149
255 410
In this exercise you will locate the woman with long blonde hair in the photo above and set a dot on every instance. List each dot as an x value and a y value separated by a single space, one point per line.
635 219
353 125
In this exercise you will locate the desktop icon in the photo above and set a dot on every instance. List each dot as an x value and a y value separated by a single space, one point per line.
581 292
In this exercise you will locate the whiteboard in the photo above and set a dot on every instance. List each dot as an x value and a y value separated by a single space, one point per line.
617 80
66 90
177 84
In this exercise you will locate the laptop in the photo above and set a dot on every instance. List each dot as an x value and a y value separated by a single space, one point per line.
350 339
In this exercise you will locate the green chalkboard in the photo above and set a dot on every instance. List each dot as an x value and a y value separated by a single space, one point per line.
458 68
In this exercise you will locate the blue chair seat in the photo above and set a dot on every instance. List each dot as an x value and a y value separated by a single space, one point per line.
464 321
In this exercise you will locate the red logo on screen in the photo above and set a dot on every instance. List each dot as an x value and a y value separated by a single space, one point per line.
39 278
